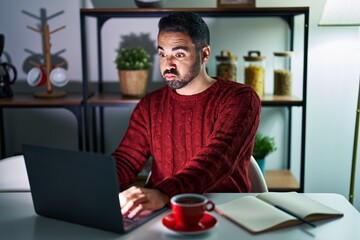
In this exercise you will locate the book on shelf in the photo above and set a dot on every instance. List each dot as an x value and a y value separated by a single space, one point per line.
274 210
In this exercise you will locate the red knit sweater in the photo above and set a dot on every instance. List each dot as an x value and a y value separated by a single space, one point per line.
199 143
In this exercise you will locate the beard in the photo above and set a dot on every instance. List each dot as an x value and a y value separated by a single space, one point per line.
184 79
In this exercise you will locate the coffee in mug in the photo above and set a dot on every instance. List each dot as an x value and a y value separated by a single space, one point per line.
189 208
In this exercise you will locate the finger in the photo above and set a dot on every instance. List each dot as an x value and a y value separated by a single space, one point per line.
141 210
129 195
130 205
122 200
135 211
127 208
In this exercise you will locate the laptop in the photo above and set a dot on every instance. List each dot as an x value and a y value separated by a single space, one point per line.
77 187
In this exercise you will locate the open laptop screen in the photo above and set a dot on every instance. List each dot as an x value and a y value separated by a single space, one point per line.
77 187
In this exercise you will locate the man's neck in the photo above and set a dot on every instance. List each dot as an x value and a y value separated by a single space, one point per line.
197 85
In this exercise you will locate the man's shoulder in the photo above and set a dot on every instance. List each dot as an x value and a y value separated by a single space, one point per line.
237 94
235 87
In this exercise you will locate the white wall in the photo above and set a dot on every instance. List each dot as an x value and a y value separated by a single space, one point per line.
333 78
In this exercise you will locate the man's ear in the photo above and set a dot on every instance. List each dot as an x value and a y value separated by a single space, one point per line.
205 54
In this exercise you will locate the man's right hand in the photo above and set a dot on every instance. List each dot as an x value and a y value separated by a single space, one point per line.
135 200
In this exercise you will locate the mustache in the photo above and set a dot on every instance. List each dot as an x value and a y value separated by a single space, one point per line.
171 71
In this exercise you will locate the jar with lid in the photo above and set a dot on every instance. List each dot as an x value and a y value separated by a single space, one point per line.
255 71
282 73
227 65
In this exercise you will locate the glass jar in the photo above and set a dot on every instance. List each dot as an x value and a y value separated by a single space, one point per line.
227 65
255 71
282 73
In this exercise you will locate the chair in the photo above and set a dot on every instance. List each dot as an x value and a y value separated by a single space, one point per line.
13 175
256 177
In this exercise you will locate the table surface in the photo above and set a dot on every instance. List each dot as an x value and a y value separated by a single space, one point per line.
19 221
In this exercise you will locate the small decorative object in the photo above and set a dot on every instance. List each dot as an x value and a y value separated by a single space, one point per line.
263 146
2 43
133 67
8 74
150 3
227 66
47 73
235 3
255 71
282 73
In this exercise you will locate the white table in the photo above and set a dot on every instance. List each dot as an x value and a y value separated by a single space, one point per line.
19 221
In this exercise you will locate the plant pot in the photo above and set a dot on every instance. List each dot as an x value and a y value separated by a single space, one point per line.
133 82
261 163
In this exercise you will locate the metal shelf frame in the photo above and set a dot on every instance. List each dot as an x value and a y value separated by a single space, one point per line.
103 14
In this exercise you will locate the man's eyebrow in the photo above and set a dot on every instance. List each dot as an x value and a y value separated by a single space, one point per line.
185 48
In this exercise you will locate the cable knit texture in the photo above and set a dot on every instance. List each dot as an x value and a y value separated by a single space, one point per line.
199 143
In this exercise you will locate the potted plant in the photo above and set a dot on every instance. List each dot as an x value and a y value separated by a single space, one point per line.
133 69
263 146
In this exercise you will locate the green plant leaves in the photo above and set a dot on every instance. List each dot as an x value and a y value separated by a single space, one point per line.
133 59
264 145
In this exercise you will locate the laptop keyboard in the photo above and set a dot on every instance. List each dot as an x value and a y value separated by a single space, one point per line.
128 222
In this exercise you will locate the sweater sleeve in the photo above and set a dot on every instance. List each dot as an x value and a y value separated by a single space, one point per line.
230 144
133 151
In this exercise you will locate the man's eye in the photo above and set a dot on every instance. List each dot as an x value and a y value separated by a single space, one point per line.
179 55
162 54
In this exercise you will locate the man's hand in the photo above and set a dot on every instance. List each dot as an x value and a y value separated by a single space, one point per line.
137 199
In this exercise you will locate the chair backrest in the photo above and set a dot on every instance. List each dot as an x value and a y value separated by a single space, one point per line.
256 177
13 175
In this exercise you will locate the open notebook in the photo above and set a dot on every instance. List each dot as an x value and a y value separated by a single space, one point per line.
261 213
77 187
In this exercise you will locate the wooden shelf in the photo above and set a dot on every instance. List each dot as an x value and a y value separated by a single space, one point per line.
111 99
273 100
28 99
281 180
205 12
118 99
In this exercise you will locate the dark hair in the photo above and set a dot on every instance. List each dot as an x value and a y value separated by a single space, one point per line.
189 23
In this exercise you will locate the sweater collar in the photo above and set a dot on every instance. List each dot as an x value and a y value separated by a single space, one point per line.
197 96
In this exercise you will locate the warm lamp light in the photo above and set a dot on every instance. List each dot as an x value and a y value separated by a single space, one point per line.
341 13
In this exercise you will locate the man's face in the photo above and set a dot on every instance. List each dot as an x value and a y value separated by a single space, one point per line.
179 61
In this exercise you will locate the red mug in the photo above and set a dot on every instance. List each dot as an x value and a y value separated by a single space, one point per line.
189 208
36 77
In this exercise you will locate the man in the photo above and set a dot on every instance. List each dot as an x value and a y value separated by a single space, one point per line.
199 130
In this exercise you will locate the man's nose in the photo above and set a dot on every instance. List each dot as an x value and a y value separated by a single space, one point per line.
170 64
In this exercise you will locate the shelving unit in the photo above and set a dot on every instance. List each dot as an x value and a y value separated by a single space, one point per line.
71 102
281 180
